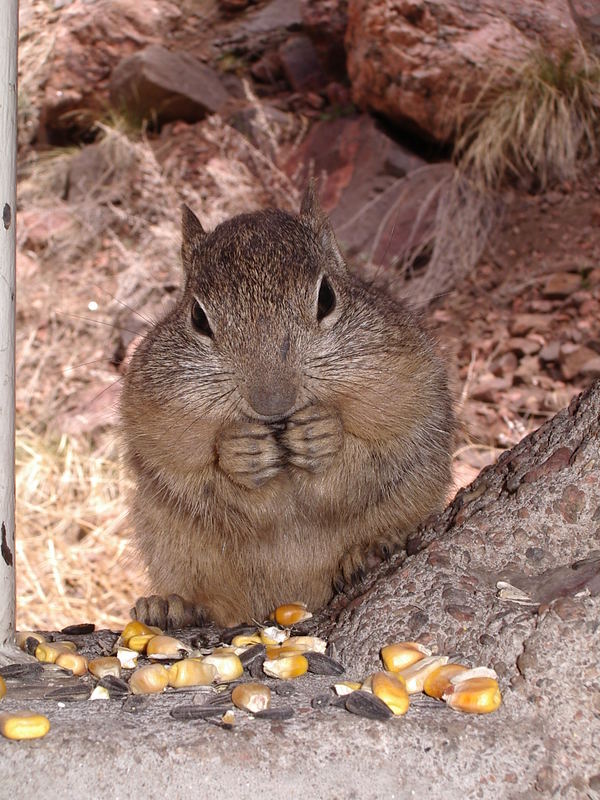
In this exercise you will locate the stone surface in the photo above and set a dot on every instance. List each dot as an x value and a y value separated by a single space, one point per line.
373 188
156 84
416 62
326 21
300 64
89 39
561 284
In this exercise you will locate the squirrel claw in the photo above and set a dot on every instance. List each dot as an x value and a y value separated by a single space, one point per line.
170 613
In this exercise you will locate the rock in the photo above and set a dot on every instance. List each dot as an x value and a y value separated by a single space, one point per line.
234 5
360 168
521 324
276 15
591 368
301 65
417 63
156 84
550 351
326 21
37 226
488 387
89 39
522 346
561 285
574 361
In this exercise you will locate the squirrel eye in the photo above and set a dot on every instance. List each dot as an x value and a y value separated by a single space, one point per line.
200 320
326 299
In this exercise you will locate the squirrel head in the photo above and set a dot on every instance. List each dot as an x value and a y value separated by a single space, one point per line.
262 294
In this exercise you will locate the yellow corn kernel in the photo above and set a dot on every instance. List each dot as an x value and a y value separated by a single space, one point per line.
136 628
291 613
227 664
402 654
346 687
22 636
416 674
139 642
475 696
392 690
251 697
245 640
48 652
165 647
105 665
74 661
286 667
307 644
24 725
438 681
228 717
2 687
274 635
149 679
191 672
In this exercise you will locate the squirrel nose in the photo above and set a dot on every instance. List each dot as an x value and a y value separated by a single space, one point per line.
272 398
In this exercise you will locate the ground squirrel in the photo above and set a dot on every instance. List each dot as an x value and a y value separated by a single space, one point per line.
283 420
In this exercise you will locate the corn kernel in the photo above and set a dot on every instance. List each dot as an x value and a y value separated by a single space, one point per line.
346 687
165 647
438 681
416 674
392 690
105 665
149 679
100 693
475 696
136 628
402 654
251 697
24 725
227 664
228 718
307 644
191 672
286 667
2 687
48 652
274 635
74 661
245 640
291 614
140 641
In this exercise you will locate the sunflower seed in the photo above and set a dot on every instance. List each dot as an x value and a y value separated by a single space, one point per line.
321 700
285 689
21 671
284 712
117 687
365 704
241 630
79 630
135 703
320 664
250 655
189 711
69 693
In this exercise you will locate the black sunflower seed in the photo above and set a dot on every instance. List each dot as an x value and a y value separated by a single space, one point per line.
320 664
79 630
241 630
189 711
251 654
285 689
365 704
117 687
284 712
321 701
21 671
68 694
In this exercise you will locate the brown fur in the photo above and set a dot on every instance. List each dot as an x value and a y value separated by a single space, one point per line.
270 458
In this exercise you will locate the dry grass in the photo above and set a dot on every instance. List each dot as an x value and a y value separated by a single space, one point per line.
538 123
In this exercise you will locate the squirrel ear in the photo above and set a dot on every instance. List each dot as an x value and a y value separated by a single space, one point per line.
311 212
192 233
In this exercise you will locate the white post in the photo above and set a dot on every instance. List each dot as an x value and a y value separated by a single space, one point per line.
9 22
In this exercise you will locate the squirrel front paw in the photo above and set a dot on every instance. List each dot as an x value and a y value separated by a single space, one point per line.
249 454
171 612
313 437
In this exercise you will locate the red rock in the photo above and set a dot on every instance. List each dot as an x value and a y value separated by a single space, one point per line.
414 62
37 226
89 39
557 461
301 65
326 21
158 84
488 386
562 284
591 368
550 351
522 346
523 323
